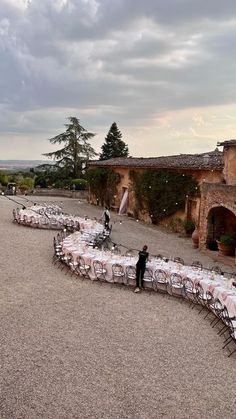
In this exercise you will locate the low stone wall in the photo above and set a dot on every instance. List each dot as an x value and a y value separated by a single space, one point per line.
60 192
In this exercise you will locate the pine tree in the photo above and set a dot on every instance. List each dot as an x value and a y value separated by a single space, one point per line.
114 146
76 148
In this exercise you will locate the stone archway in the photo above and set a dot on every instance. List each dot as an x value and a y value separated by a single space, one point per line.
220 220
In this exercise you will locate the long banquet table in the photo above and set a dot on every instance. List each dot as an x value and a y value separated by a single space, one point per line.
218 285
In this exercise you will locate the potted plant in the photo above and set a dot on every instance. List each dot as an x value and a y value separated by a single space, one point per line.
189 226
226 244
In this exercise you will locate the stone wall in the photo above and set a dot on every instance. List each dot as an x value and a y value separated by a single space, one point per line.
214 196
61 192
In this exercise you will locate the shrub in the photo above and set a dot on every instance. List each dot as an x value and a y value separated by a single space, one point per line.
189 226
228 239
176 225
80 184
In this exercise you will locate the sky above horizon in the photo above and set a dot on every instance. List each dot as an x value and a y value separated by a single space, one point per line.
163 70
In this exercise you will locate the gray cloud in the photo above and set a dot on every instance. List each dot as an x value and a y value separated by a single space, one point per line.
112 60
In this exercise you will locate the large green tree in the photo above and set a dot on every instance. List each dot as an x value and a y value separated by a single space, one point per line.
114 146
76 148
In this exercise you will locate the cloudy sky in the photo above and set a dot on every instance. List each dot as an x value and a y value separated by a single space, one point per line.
163 70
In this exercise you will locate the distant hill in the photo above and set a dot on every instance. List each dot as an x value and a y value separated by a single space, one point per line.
21 164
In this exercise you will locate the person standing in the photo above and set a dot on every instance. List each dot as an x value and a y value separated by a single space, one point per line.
107 217
140 267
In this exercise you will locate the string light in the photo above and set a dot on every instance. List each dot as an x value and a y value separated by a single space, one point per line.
150 187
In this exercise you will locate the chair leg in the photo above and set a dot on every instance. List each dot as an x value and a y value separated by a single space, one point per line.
222 330
232 353
217 321
227 343
227 340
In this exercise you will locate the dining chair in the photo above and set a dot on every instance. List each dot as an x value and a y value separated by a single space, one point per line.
130 275
176 285
148 278
118 273
160 280
99 270
189 291
83 269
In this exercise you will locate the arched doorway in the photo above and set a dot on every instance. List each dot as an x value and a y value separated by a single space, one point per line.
220 221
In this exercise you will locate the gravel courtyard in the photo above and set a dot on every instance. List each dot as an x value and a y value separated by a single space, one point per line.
78 349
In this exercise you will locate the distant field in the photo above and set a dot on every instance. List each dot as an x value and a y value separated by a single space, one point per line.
20 164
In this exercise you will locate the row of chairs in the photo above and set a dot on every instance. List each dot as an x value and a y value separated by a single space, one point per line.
45 222
173 284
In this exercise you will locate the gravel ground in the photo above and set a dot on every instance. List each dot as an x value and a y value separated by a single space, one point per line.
79 349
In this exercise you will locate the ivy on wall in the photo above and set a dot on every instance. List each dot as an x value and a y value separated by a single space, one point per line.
103 184
162 192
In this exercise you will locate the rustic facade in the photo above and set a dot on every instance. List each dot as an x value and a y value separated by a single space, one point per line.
214 211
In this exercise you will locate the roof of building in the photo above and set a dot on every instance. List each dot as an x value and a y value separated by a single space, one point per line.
227 143
205 161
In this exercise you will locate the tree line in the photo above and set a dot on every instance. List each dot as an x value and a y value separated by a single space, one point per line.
67 168
71 159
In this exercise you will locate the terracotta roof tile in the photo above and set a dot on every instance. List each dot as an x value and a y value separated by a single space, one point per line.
205 161
227 143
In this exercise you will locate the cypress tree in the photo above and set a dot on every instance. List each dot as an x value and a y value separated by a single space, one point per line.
114 146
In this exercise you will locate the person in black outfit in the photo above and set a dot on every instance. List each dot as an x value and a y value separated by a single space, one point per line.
107 217
140 268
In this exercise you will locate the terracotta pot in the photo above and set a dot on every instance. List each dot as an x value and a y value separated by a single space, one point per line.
195 238
226 249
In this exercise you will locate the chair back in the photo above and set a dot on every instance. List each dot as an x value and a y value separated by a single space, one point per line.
117 270
176 279
216 269
98 266
188 285
148 274
178 260
130 272
196 264
160 276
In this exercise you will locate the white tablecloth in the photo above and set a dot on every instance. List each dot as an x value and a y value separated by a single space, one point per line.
219 286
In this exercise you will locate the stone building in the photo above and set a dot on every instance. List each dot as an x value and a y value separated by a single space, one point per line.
214 210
